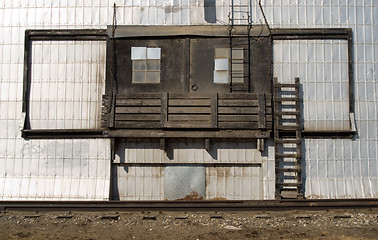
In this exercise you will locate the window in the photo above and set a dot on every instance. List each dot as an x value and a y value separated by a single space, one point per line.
145 64
223 65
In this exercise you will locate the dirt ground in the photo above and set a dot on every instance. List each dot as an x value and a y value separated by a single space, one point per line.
331 224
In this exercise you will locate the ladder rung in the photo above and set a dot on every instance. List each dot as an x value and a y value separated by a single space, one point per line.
288 140
240 5
288 99
286 155
239 45
287 113
288 128
239 90
290 85
288 170
289 184
238 63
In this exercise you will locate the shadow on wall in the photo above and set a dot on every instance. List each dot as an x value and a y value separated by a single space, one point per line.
210 11
197 145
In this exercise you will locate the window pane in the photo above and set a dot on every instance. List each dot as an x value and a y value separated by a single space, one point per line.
153 77
138 53
222 53
139 77
139 65
153 65
221 64
153 53
220 76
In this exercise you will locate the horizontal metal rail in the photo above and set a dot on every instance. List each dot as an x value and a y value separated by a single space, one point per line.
190 205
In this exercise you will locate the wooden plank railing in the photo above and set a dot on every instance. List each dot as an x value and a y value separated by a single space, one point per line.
190 111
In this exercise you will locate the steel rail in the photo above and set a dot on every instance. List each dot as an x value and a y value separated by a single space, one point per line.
192 205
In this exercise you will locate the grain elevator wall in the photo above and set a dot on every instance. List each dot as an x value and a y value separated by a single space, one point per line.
79 169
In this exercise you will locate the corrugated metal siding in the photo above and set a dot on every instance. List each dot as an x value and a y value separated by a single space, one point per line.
68 81
50 169
341 168
55 170
185 151
334 168
138 182
322 66
140 172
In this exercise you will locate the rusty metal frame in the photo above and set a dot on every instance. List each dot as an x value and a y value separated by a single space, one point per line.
53 35
324 34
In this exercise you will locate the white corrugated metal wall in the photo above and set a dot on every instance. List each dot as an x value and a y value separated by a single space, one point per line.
234 169
334 168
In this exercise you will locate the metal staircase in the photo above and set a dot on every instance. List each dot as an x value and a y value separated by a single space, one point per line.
239 68
287 139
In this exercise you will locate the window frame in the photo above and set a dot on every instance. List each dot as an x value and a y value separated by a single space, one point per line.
326 34
145 60
53 35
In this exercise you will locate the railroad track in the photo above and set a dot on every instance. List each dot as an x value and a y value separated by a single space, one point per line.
207 205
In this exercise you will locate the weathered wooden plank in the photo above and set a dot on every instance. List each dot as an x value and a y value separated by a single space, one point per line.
214 111
160 133
111 115
164 108
27 73
238 110
138 102
186 117
241 102
192 110
237 102
137 124
238 118
137 117
189 95
238 96
262 115
137 109
189 102
207 144
139 95
238 125
163 144
199 124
